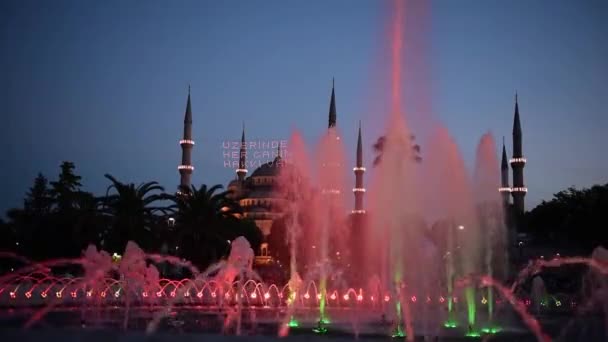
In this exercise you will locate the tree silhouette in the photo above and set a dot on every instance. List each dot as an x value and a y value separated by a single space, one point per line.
206 221
131 212
38 200
65 189
573 218
380 145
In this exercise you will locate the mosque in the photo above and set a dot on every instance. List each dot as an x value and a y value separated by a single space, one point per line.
263 205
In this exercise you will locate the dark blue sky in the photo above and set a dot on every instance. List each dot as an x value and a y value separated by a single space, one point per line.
104 83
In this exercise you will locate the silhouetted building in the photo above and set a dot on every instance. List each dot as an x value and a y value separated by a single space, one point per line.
260 202
257 196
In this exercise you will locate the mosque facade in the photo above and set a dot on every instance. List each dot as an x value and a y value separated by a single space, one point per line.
261 203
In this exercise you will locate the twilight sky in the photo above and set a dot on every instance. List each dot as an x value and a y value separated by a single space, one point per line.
104 83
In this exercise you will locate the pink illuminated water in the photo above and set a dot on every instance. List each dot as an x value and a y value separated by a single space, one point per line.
428 225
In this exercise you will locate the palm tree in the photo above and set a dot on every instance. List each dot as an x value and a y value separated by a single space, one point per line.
203 205
131 212
379 149
206 221
89 223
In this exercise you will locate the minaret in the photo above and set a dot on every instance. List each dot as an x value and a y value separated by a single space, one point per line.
241 172
518 162
359 170
505 189
186 168
332 106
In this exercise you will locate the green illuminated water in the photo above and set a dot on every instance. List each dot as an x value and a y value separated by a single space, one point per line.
293 323
470 297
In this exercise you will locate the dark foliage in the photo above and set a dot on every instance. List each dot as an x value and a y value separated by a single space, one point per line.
59 220
207 221
575 218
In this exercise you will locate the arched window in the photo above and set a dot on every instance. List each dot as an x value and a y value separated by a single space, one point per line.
264 249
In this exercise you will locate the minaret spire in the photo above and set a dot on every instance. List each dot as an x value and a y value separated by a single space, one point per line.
241 172
518 162
186 168
332 106
359 170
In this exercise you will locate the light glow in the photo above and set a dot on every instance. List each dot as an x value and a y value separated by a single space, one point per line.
519 189
358 189
357 168
186 142
517 160
331 191
241 170
358 211
504 189
185 167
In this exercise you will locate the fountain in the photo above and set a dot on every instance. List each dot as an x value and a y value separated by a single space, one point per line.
434 244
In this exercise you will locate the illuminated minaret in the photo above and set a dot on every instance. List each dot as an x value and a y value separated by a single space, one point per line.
518 162
359 170
186 168
332 107
505 189
241 172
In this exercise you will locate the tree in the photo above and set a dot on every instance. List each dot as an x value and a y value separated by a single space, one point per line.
380 145
31 225
38 200
206 221
131 213
8 233
89 223
64 190
573 218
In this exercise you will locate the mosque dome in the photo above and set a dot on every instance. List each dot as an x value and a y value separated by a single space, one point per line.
269 169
